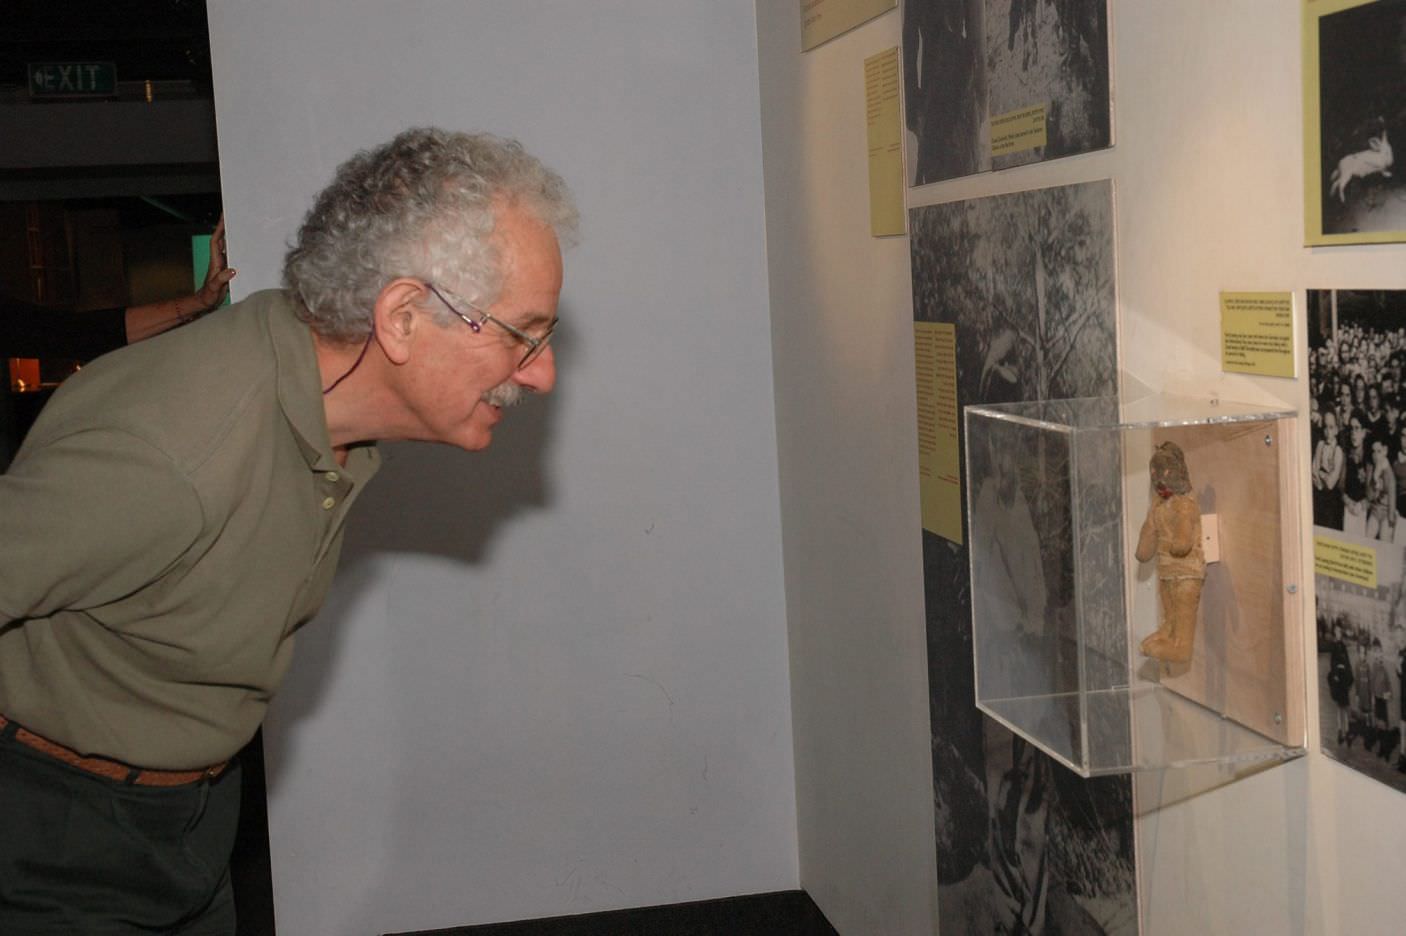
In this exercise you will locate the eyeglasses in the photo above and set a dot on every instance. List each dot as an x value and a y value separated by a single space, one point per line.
535 346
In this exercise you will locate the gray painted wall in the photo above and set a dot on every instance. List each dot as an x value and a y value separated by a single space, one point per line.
552 677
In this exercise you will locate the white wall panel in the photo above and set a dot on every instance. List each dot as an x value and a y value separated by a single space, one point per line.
847 436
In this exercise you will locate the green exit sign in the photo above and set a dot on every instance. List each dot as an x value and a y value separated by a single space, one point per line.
72 79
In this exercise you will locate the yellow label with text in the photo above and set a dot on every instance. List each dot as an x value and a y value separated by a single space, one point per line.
1257 333
1351 563
939 464
885 132
1018 131
823 20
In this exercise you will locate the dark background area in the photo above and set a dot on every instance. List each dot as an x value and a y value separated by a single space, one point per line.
163 40
100 195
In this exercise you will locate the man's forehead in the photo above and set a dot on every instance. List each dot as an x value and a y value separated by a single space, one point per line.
531 263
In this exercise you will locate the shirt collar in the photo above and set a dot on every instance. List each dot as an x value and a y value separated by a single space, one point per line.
300 395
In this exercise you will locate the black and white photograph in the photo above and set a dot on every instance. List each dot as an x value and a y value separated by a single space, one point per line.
1359 92
1055 55
1024 844
1361 665
944 90
1028 279
966 62
1356 358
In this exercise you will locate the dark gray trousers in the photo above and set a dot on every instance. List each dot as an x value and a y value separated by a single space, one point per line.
82 855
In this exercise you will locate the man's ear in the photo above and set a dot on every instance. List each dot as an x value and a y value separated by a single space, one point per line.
397 315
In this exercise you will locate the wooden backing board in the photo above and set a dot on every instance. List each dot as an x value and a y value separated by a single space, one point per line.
1248 659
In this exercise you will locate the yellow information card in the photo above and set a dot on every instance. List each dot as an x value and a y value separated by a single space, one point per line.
1351 563
823 20
939 465
1018 131
886 214
1257 333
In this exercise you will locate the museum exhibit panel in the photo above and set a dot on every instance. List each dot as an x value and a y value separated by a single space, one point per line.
1135 582
753 667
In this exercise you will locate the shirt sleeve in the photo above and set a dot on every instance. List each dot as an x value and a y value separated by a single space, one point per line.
87 519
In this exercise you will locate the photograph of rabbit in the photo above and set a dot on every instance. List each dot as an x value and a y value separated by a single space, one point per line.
1360 101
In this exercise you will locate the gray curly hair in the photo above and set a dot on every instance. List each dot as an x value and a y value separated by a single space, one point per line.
422 205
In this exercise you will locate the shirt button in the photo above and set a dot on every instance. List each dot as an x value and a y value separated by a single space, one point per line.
332 476
328 503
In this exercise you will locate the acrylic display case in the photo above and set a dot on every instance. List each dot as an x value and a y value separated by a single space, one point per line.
1057 494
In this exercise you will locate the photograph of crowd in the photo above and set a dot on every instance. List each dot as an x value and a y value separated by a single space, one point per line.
1357 356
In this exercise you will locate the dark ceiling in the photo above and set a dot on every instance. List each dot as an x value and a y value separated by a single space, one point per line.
157 40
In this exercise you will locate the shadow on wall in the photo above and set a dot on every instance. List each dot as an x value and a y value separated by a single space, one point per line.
427 499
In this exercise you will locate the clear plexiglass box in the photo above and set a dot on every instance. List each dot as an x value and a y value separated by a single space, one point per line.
1058 493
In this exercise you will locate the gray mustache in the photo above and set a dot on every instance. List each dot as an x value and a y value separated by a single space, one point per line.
504 395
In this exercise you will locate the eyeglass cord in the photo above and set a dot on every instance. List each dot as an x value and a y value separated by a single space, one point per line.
355 364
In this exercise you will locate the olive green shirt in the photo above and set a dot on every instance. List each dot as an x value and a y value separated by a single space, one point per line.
173 517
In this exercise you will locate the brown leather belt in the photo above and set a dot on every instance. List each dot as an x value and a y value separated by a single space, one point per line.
103 767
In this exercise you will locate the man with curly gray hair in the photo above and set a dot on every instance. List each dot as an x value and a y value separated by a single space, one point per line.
176 515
